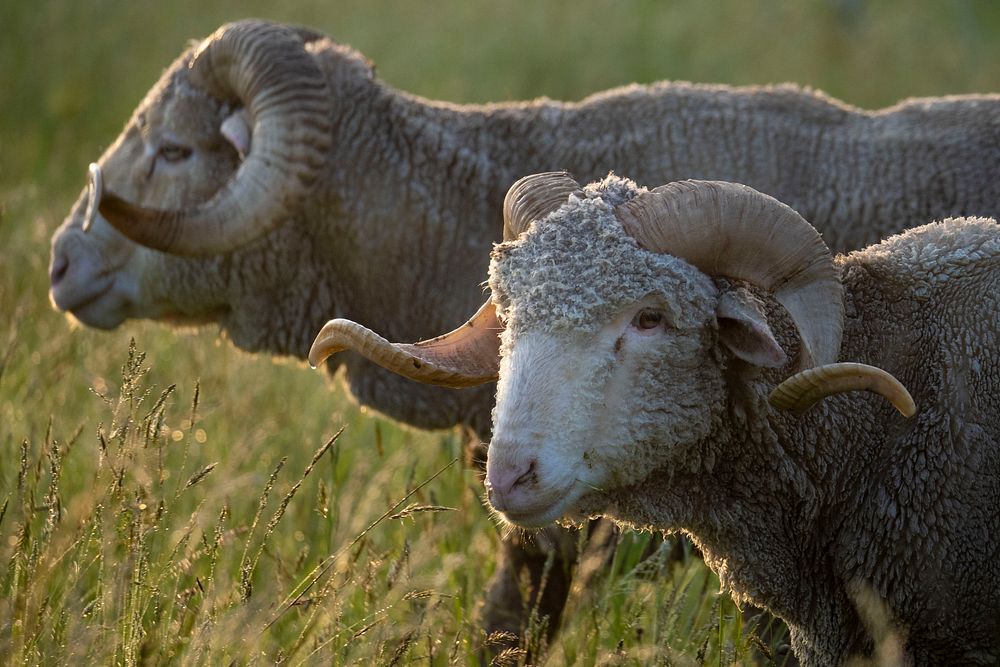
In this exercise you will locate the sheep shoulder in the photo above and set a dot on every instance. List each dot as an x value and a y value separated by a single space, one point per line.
924 305
927 299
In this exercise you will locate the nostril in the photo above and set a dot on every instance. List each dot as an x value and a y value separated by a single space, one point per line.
528 476
504 479
60 265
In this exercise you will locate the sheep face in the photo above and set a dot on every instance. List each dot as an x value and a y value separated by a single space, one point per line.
174 181
176 151
608 366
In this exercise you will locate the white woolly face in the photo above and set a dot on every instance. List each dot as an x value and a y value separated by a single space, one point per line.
174 153
577 415
607 369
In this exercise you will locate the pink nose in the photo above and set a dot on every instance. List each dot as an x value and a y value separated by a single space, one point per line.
506 483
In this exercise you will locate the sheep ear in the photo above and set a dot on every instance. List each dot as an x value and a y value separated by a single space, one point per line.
743 329
236 129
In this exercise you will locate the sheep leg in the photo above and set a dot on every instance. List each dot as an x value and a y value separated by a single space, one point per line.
525 599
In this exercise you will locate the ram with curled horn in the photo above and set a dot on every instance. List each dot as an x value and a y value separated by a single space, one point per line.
269 182
679 360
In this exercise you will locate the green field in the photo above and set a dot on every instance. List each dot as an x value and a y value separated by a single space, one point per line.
174 500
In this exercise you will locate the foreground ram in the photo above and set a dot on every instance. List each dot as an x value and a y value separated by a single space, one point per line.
643 333
281 178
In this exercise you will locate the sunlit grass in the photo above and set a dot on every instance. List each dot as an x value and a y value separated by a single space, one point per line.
166 549
160 503
163 553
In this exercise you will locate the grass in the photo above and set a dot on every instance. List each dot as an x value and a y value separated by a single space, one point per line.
137 542
166 499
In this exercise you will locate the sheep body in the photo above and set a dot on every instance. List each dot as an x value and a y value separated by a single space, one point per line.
862 530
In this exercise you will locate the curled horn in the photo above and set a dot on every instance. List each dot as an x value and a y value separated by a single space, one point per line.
266 67
731 230
534 197
465 357
802 390
469 355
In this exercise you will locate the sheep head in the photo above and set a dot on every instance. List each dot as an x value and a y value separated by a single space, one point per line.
622 317
221 150
622 310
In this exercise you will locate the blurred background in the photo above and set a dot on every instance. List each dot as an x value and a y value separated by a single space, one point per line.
74 528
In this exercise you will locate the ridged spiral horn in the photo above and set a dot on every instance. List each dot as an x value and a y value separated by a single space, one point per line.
799 392
465 357
265 67
469 355
734 231
534 197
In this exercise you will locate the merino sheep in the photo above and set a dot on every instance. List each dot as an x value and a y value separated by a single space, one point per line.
284 177
643 332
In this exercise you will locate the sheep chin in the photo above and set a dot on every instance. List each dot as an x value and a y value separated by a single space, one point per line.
541 515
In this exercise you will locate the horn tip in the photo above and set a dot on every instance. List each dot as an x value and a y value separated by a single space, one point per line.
318 354
95 193
906 406
315 358
323 345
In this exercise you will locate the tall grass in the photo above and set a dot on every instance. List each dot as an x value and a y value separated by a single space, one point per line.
160 552
174 501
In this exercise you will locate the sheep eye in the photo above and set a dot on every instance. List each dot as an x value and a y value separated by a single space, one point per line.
648 318
174 152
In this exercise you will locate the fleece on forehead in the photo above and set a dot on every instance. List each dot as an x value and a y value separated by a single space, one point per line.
176 101
577 268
